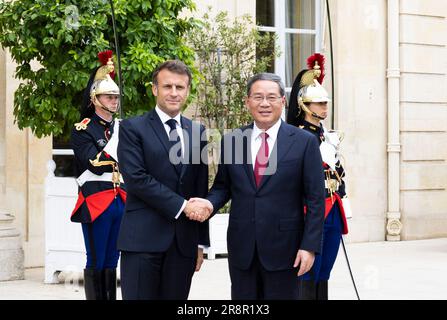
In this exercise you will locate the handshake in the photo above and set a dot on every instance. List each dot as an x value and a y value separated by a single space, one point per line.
198 209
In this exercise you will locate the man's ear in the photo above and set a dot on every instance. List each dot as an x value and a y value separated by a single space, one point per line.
154 90
94 100
246 102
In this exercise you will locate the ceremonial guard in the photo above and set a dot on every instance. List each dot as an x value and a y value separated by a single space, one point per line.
307 109
101 198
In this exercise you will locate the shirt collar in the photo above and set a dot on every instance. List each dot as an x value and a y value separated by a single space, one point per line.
311 126
165 117
317 131
102 121
272 131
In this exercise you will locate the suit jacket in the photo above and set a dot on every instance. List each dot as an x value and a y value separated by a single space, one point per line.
156 190
270 218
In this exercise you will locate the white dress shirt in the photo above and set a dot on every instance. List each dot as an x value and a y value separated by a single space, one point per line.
256 140
165 117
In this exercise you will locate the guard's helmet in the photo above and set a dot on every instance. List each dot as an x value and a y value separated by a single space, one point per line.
103 82
307 88
100 82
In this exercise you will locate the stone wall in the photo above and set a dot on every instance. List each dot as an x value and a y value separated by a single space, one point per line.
23 160
359 31
423 41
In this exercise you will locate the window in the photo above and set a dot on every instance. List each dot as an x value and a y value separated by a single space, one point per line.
297 25
63 157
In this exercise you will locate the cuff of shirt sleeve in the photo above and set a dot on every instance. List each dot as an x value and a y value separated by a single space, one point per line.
181 209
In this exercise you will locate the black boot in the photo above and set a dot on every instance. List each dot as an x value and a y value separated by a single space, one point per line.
93 284
307 290
322 290
110 284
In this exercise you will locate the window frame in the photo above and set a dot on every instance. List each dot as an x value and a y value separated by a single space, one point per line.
61 152
281 31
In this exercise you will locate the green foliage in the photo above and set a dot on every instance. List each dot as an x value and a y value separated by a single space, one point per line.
228 54
55 44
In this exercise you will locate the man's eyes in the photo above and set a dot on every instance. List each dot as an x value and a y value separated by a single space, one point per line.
172 87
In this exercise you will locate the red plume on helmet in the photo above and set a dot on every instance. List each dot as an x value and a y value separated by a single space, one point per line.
317 57
104 57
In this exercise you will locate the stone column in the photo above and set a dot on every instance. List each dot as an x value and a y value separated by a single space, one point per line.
11 252
394 225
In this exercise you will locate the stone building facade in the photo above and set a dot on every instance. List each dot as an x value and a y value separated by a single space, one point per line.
390 80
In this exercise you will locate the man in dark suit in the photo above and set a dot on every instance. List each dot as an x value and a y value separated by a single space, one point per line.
270 170
159 156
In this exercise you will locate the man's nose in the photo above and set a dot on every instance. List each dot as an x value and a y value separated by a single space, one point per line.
264 102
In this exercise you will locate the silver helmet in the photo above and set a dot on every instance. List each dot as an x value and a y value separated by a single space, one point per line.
103 82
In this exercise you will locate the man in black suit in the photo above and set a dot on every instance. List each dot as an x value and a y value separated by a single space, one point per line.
159 156
270 170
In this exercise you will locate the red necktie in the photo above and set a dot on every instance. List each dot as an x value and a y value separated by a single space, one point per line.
262 158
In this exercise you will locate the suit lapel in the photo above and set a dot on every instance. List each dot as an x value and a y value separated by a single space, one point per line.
187 138
159 129
282 145
160 132
248 166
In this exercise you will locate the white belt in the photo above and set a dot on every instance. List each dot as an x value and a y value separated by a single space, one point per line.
87 175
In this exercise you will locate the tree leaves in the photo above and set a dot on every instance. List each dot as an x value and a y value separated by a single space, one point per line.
55 46
226 58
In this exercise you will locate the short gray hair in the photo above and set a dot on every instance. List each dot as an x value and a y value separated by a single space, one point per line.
267 77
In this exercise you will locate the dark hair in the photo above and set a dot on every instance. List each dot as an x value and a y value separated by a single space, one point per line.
175 66
267 77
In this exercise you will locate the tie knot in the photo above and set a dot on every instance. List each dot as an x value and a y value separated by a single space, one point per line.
264 135
172 123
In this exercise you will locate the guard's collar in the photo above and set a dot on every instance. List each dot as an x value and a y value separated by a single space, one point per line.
101 121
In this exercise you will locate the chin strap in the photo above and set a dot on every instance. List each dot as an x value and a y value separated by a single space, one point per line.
96 102
103 107
313 114
317 116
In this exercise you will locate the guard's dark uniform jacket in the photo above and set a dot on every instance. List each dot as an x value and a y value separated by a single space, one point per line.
88 138
330 175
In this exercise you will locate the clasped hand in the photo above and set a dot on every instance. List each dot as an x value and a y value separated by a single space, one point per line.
198 209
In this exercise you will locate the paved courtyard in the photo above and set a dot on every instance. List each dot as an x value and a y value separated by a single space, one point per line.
408 270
